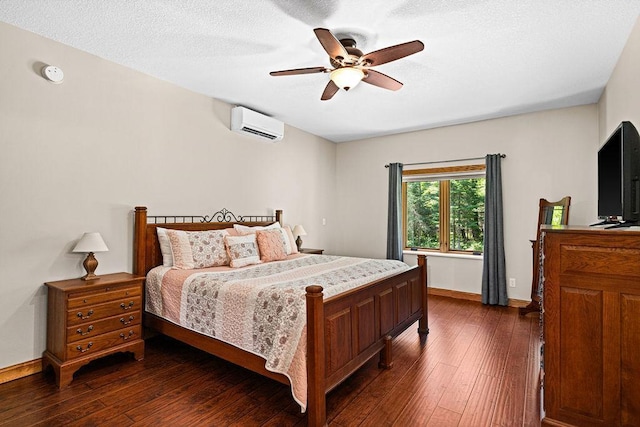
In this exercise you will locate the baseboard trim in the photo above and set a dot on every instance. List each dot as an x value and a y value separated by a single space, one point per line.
471 296
20 370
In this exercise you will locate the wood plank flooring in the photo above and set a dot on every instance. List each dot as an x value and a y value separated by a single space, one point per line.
478 367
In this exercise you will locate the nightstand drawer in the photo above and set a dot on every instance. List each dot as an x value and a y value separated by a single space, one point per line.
83 298
92 329
100 311
101 342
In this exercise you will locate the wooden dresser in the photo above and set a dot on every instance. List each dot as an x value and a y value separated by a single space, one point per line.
591 324
87 320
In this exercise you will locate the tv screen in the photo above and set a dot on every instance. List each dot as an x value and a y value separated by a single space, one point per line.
619 176
610 178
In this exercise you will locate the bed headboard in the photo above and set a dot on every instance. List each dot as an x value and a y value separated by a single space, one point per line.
146 248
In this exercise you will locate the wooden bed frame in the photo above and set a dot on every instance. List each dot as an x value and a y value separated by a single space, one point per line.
343 331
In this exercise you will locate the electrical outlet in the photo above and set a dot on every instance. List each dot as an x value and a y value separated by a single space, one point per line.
512 282
324 221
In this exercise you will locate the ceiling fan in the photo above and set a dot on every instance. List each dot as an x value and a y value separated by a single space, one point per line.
350 65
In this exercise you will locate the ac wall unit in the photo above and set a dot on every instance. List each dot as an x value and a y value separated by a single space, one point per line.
249 122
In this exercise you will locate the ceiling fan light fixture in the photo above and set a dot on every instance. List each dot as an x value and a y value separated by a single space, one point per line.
347 77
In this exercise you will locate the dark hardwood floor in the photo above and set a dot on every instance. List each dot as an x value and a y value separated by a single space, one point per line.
478 367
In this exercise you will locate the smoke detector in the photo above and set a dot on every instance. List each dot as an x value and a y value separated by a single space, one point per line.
52 74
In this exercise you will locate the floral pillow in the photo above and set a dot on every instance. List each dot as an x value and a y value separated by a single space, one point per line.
197 249
272 245
242 250
207 248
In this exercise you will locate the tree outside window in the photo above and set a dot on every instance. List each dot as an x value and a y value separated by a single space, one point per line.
466 215
444 214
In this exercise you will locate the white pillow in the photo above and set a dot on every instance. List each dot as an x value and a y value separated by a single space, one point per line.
165 247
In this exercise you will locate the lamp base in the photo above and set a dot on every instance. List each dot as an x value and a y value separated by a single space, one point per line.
90 264
299 243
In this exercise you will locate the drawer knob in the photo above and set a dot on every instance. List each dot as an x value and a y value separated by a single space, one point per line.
79 348
89 329
83 317
126 307
126 337
126 322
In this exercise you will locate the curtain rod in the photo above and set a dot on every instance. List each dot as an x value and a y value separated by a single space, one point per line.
447 161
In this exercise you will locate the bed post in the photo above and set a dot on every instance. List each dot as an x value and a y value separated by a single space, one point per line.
423 324
140 241
316 392
279 216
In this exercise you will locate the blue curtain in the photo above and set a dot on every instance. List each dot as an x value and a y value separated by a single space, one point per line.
494 278
394 220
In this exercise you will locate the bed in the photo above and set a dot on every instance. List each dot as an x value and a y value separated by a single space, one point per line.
343 330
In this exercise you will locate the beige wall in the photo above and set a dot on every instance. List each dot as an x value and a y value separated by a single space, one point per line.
79 156
550 154
621 98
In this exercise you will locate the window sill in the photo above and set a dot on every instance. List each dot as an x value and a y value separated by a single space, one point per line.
443 255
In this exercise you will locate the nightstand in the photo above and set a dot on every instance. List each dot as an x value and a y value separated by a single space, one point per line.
87 320
311 251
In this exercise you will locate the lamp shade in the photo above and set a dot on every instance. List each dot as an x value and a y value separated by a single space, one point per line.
91 242
298 230
347 77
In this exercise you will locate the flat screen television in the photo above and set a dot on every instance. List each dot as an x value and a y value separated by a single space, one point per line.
619 177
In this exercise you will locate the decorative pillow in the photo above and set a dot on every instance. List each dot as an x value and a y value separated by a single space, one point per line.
271 244
165 247
245 229
242 250
180 249
290 241
207 248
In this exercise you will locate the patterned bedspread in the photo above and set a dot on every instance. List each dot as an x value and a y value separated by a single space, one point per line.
260 308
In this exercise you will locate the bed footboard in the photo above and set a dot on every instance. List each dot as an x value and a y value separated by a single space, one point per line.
345 331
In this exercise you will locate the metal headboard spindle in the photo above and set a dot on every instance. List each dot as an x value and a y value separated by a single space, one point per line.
223 215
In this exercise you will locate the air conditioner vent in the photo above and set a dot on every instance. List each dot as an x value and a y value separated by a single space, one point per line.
259 133
252 123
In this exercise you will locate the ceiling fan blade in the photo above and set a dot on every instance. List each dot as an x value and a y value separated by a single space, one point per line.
382 80
391 53
331 44
329 91
309 70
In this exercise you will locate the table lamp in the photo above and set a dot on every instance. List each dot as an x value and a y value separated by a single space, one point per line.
90 242
298 230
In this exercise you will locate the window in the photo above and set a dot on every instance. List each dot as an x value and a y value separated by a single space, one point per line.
443 208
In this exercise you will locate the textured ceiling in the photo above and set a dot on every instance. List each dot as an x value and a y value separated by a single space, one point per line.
482 58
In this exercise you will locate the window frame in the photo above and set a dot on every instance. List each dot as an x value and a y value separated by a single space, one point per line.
444 175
